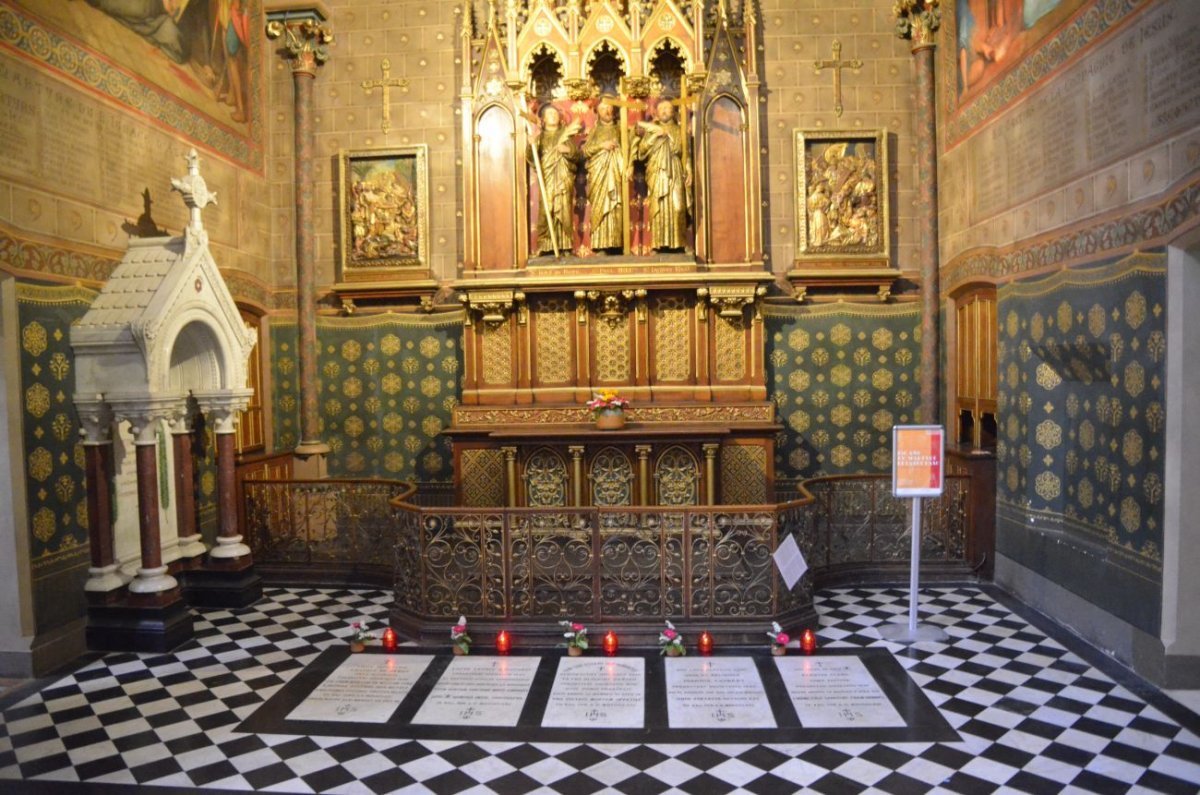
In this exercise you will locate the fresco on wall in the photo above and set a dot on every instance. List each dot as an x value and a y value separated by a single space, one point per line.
192 65
1082 369
841 376
389 384
992 35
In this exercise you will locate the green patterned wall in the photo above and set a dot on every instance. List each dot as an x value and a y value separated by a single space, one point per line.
56 494
1082 358
841 376
388 385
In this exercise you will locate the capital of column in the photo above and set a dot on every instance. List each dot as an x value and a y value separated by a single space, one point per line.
224 407
305 33
95 419
918 21
144 415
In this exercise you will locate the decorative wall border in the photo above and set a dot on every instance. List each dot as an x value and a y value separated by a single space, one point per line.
866 308
31 39
1146 227
1053 53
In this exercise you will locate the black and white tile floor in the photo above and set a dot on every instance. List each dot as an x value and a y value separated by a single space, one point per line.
1036 713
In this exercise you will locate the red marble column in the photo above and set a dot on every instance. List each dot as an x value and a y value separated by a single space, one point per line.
152 577
185 495
98 473
925 125
227 486
305 35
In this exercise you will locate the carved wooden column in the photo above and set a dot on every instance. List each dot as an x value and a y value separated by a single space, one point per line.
576 451
710 472
918 21
305 36
184 436
97 420
643 459
510 474
152 577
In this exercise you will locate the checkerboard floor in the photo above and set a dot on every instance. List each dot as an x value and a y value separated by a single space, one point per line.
1036 712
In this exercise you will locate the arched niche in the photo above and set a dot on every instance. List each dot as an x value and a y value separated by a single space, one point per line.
725 139
496 193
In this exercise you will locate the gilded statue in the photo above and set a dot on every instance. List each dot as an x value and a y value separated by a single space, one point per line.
606 174
558 160
668 184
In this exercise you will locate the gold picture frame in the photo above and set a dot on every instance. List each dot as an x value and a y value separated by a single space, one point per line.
383 219
843 216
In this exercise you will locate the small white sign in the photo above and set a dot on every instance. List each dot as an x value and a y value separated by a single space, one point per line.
790 561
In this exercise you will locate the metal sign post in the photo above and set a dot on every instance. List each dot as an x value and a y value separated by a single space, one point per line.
918 458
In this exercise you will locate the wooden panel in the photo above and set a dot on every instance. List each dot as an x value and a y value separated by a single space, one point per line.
496 169
726 181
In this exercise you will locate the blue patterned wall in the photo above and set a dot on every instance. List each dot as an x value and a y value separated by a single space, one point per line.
1082 358
841 375
388 385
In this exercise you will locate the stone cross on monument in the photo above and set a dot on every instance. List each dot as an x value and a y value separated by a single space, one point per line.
387 83
837 65
196 194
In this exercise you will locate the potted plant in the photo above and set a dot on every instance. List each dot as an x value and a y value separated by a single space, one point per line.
359 635
609 410
459 637
670 642
576 635
779 639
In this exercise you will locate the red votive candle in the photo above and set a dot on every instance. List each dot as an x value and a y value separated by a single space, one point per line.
610 643
705 644
808 641
389 639
503 642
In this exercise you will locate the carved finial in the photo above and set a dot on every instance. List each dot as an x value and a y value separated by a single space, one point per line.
196 194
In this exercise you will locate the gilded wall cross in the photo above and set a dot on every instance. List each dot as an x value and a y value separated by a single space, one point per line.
387 83
837 65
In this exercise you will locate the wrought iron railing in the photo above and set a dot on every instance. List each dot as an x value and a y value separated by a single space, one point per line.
635 565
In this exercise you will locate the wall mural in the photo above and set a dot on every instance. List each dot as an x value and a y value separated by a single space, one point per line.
841 375
1082 358
194 65
388 386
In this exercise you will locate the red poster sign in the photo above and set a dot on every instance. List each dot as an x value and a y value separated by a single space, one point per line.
918 460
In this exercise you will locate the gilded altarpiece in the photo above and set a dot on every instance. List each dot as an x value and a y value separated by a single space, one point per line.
613 241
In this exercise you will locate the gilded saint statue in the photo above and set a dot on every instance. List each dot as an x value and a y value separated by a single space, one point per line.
606 175
558 160
668 184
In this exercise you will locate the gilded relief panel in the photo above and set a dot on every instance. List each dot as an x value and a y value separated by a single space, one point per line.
555 340
743 474
497 354
1082 413
612 349
841 375
482 478
731 348
672 361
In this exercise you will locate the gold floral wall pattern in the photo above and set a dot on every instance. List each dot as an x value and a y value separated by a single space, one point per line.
841 375
1082 358
388 386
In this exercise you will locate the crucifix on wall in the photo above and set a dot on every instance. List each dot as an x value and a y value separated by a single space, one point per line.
837 65
387 83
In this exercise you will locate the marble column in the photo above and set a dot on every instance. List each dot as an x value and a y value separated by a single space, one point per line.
152 577
229 536
918 21
97 420
305 37
184 436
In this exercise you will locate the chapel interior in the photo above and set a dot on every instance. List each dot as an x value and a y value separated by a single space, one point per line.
323 294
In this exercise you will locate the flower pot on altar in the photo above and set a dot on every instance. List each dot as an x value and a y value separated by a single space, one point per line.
574 651
610 419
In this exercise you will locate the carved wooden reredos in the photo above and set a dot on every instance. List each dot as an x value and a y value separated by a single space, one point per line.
612 250
521 57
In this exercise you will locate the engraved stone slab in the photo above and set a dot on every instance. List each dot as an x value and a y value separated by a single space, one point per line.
836 692
599 694
716 692
480 691
366 688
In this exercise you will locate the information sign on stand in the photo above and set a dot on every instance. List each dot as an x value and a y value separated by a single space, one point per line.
918 470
